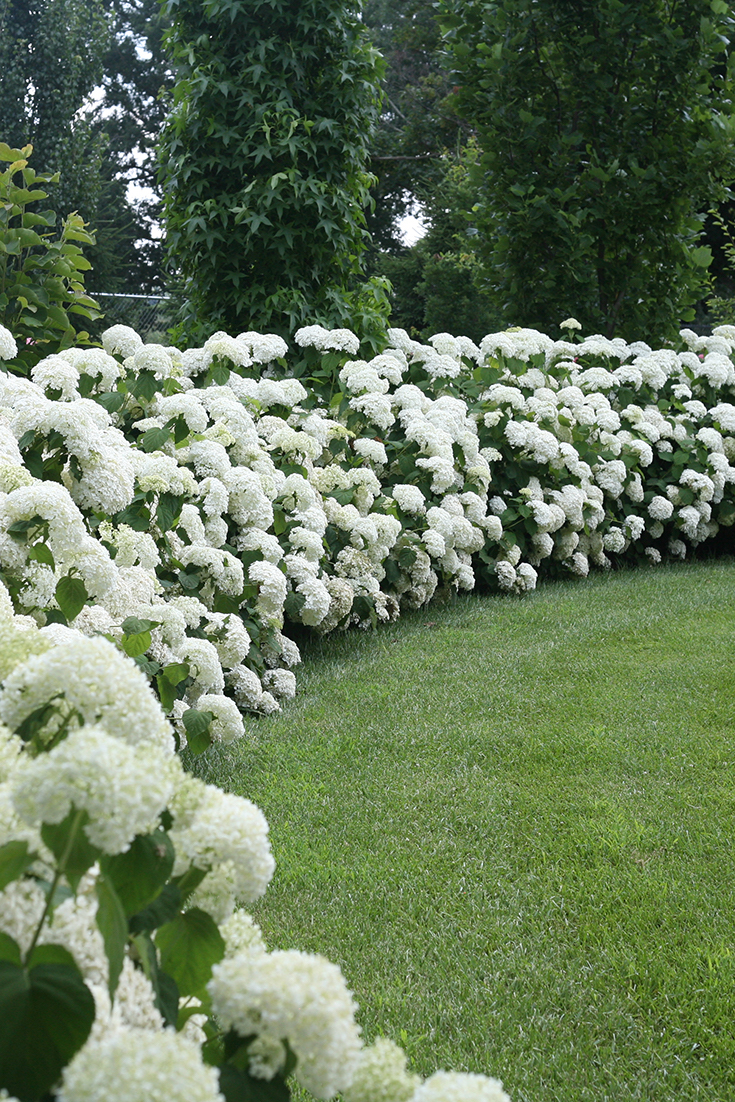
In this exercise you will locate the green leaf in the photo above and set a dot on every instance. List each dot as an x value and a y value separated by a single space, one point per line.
153 439
237 1086
71 596
111 402
189 947
189 881
139 875
9 949
163 909
197 726
133 625
175 672
46 1013
113 925
70 845
14 860
164 986
41 552
145 386
168 510
137 644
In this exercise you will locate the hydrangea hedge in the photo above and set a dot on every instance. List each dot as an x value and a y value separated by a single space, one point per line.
164 517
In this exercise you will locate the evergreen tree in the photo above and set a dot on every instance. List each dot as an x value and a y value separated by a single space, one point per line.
264 163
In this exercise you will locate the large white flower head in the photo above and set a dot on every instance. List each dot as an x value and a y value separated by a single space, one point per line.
122 789
381 1075
55 373
227 724
121 340
8 347
263 347
457 1086
96 363
214 828
295 997
90 678
144 1066
326 340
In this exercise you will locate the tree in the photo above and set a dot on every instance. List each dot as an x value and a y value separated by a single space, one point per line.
264 163
416 130
607 133
129 116
436 284
50 61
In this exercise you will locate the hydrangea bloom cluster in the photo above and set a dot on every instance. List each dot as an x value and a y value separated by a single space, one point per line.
212 497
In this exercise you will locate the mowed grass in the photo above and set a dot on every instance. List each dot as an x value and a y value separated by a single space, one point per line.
511 822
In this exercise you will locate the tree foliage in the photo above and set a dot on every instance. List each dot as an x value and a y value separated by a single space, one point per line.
41 270
50 61
437 283
264 163
416 130
607 134
128 255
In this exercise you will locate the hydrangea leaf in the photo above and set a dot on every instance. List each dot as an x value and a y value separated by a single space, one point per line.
47 1013
139 874
113 925
14 860
197 726
70 845
189 947
71 596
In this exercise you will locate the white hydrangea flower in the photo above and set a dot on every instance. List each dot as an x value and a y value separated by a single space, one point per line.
295 997
121 339
282 683
381 1075
227 724
8 347
240 931
213 829
373 450
457 1086
122 789
272 588
144 1066
324 340
660 508
89 677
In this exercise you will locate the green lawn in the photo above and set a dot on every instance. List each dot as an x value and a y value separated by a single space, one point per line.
511 823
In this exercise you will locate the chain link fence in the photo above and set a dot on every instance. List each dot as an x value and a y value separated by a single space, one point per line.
149 315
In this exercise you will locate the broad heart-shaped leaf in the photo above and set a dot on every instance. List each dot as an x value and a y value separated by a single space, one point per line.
46 1014
139 874
168 510
238 1086
71 596
135 645
14 860
189 947
113 925
163 909
153 439
197 726
70 845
